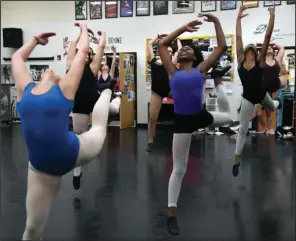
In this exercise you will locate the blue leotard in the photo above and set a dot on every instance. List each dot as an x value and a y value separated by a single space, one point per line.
187 91
52 148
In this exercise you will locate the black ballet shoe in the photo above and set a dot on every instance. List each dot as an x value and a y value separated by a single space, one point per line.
280 103
220 71
149 147
76 181
173 226
235 170
109 85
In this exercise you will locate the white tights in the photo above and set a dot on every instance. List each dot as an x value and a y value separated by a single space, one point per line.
181 146
43 188
80 123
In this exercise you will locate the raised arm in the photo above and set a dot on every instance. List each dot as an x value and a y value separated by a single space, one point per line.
150 48
179 45
239 39
166 42
19 70
97 59
267 37
222 47
72 50
280 54
112 70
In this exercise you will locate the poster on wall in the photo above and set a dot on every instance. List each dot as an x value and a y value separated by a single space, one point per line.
36 71
126 8
142 8
251 4
272 3
160 7
183 7
80 10
208 6
111 9
227 5
6 74
95 9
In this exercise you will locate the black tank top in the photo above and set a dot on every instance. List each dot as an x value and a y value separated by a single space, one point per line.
86 95
159 76
253 90
271 79
101 79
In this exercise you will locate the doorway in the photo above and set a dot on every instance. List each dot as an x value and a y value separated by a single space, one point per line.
126 74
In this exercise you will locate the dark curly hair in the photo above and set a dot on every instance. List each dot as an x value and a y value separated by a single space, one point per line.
198 55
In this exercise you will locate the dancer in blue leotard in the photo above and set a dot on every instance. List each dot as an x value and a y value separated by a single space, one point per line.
44 111
187 86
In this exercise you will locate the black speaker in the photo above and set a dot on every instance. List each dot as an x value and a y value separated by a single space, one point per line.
12 37
288 110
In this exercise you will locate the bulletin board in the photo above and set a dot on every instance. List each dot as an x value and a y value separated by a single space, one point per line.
207 45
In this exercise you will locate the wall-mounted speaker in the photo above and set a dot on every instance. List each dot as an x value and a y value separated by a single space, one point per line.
12 37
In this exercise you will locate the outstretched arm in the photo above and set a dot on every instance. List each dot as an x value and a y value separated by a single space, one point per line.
218 51
97 59
19 70
239 39
72 50
112 70
179 45
267 37
70 82
150 48
280 54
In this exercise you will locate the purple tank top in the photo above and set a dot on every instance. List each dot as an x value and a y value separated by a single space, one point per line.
271 81
187 91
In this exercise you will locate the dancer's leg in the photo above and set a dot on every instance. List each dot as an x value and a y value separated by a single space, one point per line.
80 125
42 189
181 146
222 117
269 103
245 115
154 108
91 142
115 106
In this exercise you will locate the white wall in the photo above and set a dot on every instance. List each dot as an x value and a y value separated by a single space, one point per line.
58 16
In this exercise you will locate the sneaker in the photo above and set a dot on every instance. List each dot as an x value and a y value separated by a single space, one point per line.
173 226
235 170
76 181
149 148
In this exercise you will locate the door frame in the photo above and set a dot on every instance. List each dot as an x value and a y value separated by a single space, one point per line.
135 80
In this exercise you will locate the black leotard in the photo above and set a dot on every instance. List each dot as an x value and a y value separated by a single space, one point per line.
253 90
86 95
101 79
159 78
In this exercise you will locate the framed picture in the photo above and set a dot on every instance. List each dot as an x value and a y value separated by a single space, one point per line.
126 8
251 4
208 6
160 8
183 7
36 71
95 9
142 8
272 3
111 9
291 2
227 5
80 10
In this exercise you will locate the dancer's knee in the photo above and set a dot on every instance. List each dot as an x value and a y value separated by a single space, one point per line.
179 172
115 106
